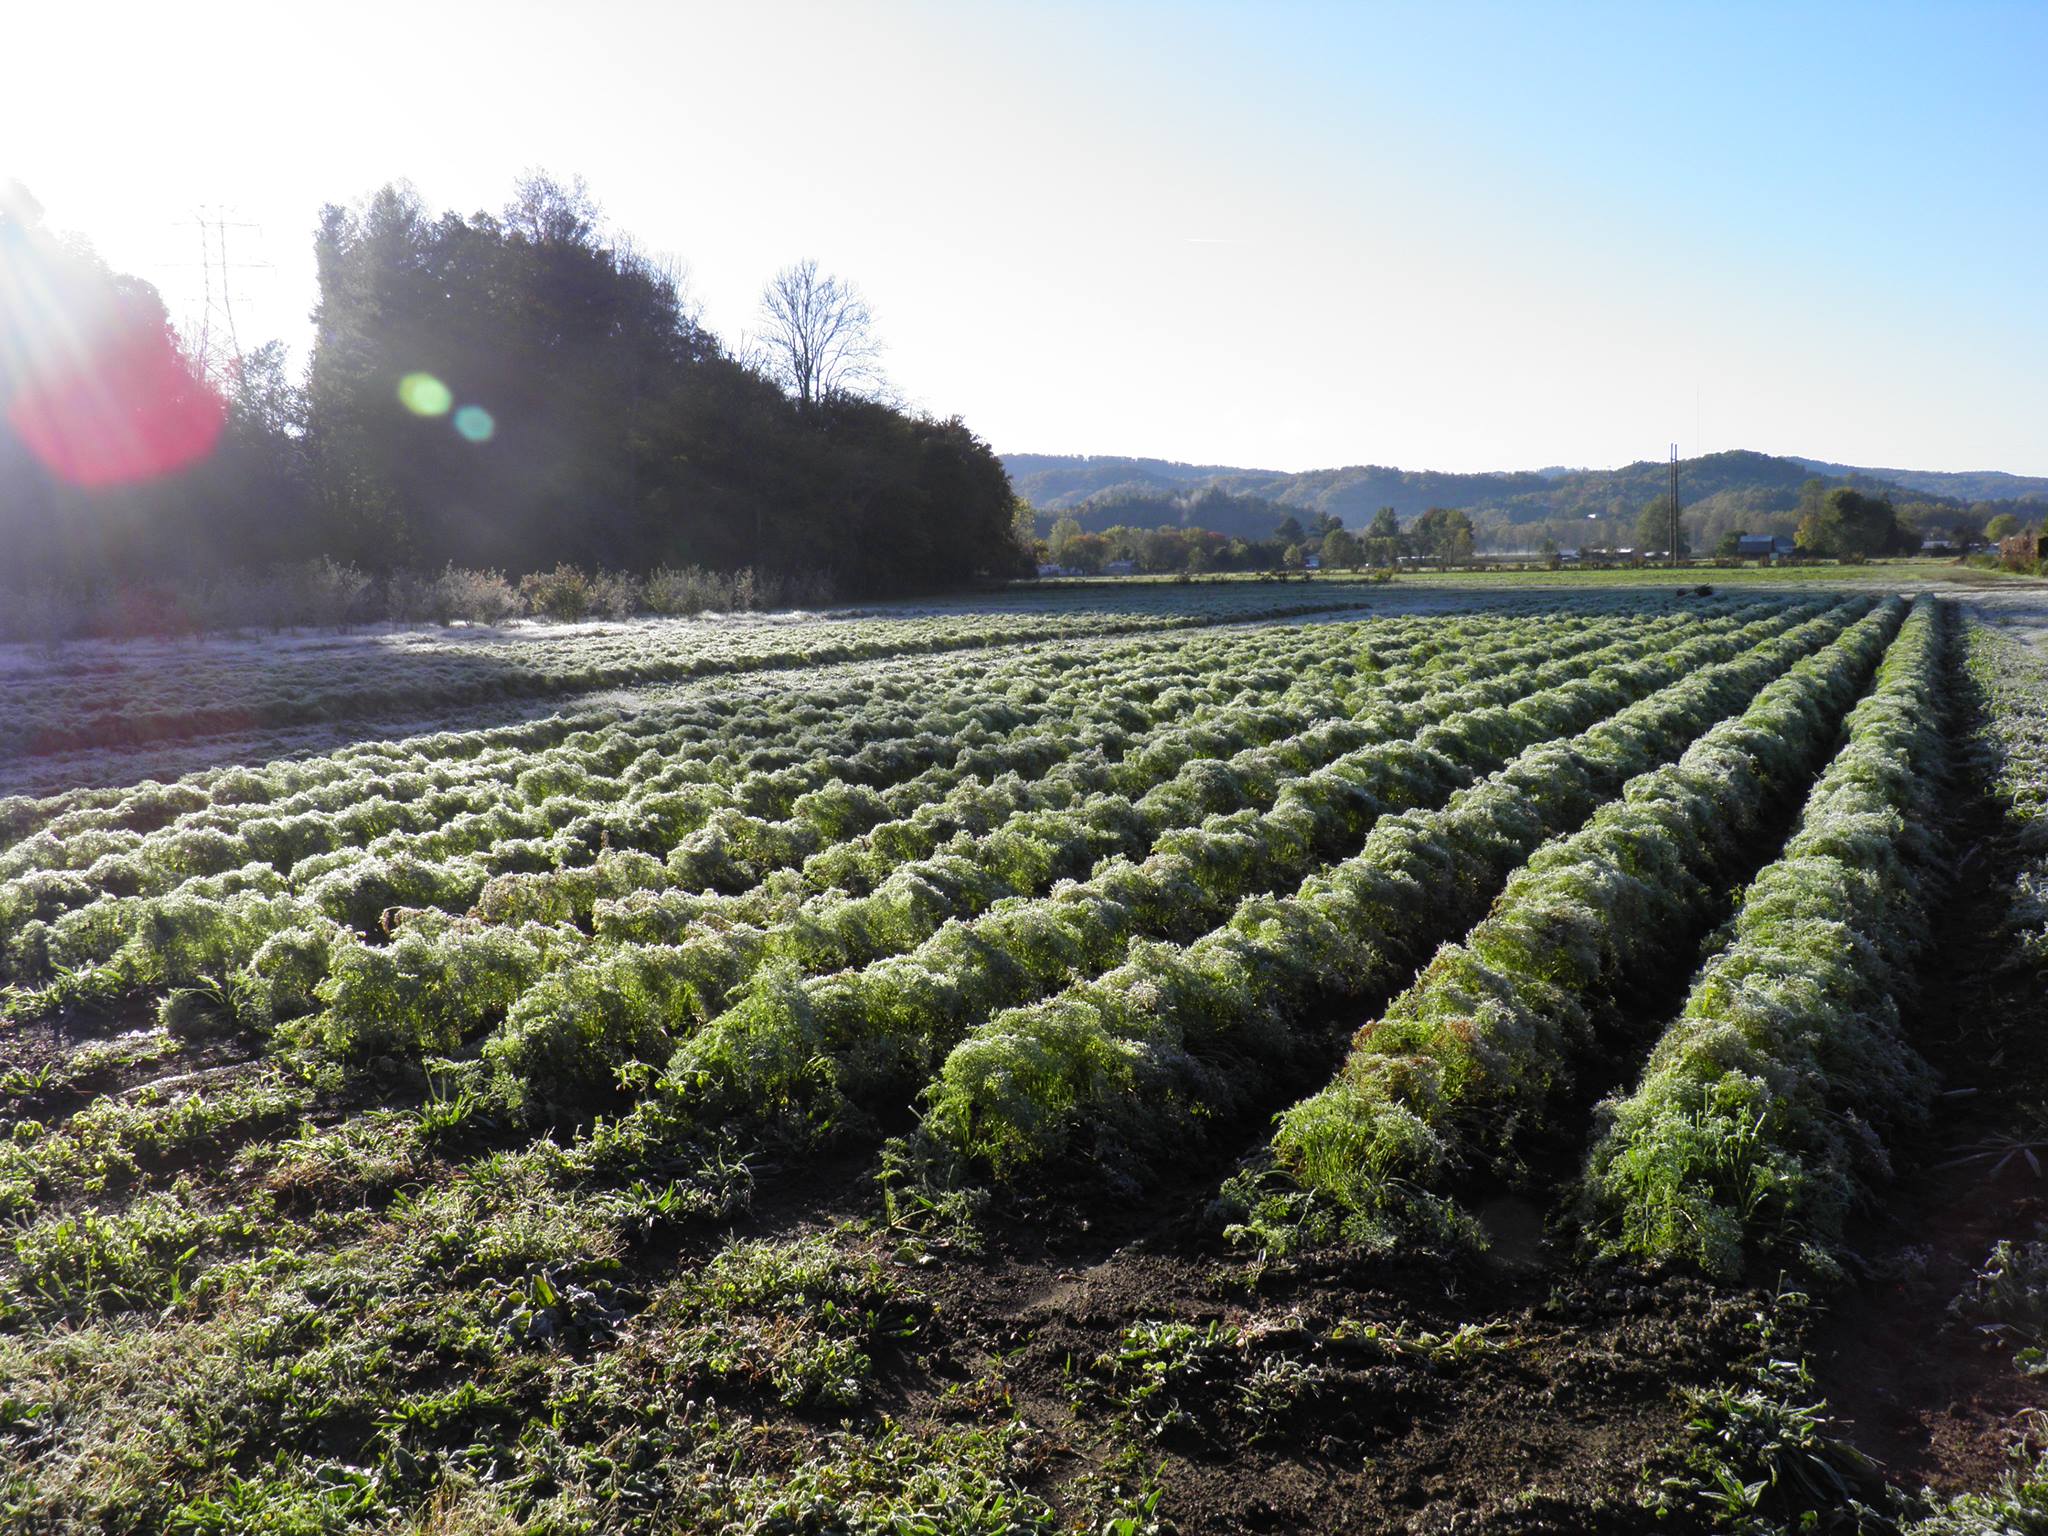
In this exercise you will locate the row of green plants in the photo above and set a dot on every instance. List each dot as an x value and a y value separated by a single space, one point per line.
438 981
1232 837
1762 1116
1130 1066
2012 683
86 702
647 782
868 897
594 846
1068 822
723 733
1467 1066
807 1047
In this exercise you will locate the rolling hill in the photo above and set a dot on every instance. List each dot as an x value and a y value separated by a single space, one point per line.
1756 492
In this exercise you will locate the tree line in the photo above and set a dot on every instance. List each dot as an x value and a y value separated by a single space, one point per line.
506 390
1440 533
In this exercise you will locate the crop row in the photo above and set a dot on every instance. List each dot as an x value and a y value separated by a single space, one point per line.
2011 681
437 981
121 701
1468 1064
1761 1116
1226 834
896 886
735 721
504 842
868 1034
1130 1065
704 741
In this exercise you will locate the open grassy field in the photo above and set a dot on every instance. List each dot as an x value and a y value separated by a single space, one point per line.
1494 1054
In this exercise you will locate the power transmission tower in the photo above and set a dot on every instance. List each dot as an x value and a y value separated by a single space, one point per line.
216 349
1674 506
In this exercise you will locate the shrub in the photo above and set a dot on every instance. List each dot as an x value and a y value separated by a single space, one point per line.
327 592
481 597
615 594
677 591
565 593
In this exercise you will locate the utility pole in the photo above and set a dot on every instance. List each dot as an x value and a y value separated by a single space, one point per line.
1674 506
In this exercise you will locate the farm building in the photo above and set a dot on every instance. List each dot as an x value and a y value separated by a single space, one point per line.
1762 546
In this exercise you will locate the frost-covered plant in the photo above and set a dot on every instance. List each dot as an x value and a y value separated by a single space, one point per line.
1468 1059
1759 1119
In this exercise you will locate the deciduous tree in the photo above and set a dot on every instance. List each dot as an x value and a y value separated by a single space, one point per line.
819 334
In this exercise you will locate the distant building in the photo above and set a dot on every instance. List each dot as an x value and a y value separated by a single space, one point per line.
1119 567
1763 546
1312 563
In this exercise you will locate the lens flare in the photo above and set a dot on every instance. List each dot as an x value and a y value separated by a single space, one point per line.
475 423
424 395
126 411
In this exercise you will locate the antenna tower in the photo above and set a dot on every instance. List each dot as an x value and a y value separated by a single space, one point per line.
1674 506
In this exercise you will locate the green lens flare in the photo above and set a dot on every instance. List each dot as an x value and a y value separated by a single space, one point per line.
475 423
424 395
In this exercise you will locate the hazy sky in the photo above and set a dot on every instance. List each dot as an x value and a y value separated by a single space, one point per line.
1459 237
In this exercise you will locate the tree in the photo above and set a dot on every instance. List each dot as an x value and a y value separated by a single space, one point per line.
1289 530
1087 552
819 334
1383 538
509 390
1850 525
1024 528
2003 526
1653 527
1342 548
1292 558
1444 532
1812 492
1064 532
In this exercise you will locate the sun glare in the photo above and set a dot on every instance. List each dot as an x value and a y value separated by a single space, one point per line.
93 381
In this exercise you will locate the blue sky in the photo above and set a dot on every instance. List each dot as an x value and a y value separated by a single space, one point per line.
1468 237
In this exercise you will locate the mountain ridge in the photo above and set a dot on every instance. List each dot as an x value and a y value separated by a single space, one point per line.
1737 489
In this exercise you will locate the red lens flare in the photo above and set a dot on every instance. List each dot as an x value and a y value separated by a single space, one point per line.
126 410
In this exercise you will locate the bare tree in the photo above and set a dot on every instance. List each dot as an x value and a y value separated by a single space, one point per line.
551 212
817 331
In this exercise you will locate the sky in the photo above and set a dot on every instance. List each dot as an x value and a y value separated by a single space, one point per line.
1443 236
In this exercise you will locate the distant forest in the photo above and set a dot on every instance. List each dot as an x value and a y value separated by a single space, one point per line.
503 390
1721 493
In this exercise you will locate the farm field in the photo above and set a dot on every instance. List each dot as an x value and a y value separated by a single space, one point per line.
1476 1057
